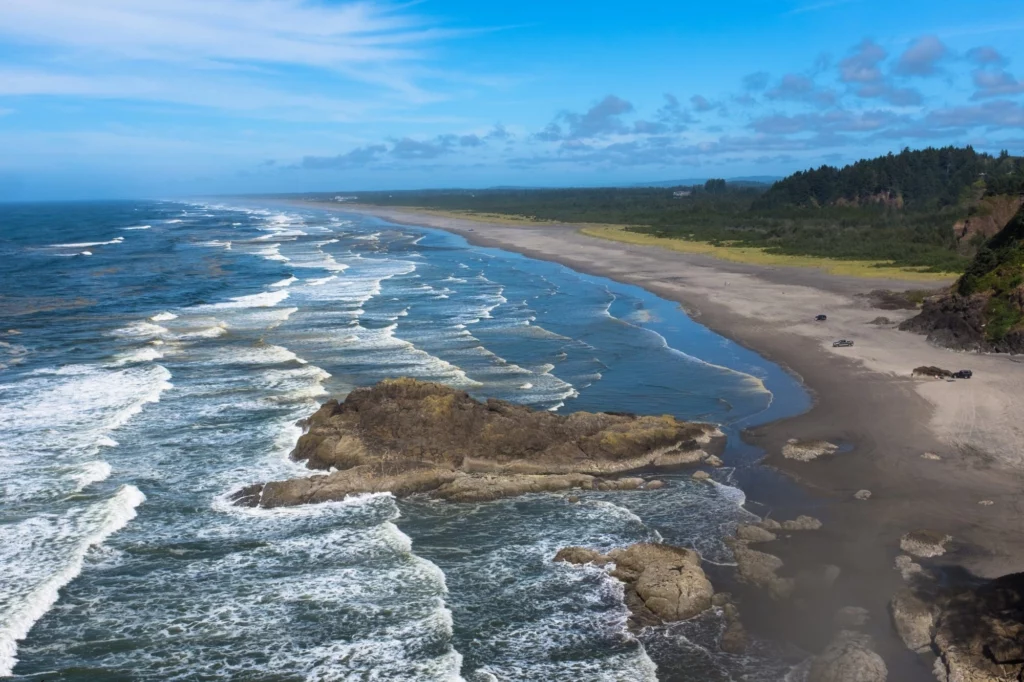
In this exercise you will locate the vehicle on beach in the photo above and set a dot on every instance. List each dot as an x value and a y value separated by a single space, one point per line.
842 343
821 318
963 374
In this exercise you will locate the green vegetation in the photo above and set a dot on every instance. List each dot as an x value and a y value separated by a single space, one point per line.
925 180
893 211
998 271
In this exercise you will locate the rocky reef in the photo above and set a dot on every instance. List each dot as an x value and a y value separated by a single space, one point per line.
977 633
407 436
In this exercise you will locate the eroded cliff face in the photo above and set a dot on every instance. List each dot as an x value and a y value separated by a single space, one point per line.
407 436
988 217
984 310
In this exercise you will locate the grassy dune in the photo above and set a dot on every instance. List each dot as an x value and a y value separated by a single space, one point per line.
736 254
757 256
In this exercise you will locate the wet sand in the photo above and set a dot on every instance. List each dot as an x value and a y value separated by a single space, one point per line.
865 399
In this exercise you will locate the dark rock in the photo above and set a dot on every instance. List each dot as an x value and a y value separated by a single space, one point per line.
884 299
734 639
979 633
932 371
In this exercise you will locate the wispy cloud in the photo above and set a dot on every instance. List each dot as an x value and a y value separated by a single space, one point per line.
824 4
148 48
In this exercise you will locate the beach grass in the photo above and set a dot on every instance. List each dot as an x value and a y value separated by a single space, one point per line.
759 256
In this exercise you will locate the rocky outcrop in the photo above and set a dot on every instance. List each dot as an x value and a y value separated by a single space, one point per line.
925 543
957 322
407 436
914 620
802 522
977 633
850 657
668 581
984 311
807 450
753 534
761 570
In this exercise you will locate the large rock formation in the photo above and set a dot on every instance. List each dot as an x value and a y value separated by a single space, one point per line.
978 632
668 580
407 436
984 311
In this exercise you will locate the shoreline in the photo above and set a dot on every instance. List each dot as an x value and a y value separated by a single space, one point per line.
863 398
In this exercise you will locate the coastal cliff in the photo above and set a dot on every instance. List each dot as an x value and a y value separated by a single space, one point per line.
984 310
407 436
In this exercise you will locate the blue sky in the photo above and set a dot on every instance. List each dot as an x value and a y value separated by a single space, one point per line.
111 98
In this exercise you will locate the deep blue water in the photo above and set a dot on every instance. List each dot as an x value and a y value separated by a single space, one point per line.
154 357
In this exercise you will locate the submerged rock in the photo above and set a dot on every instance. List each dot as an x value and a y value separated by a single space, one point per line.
848 658
761 569
407 436
851 617
753 534
802 523
667 580
914 620
908 568
807 450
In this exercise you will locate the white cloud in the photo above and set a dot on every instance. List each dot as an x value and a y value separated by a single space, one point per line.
164 49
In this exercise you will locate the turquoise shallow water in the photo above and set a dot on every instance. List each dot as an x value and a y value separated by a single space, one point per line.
155 358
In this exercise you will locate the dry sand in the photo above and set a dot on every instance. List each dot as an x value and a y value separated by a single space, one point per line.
865 397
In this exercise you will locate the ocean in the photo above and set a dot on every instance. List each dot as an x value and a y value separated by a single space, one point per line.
156 356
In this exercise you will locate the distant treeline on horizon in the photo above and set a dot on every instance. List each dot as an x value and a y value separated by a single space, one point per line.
898 208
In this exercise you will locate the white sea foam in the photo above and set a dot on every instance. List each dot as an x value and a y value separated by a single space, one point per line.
91 472
285 282
137 227
146 354
142 330
36 571
85 245
85 253
164 317
273 252
266 299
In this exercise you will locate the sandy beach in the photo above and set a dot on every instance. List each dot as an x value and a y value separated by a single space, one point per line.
865 400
